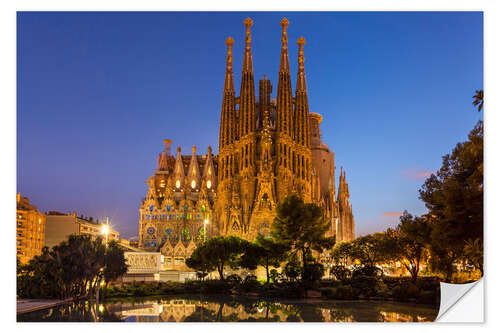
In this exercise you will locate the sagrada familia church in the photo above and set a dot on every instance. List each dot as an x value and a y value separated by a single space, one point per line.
269 148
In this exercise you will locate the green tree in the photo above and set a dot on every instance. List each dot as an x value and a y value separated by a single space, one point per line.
473 252
198 263
454 198
341 253
114 262
370 250
292 268
72 268
264 252
217 253
478 99
408 242
301 227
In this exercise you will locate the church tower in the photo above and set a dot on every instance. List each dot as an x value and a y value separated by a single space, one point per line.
269 148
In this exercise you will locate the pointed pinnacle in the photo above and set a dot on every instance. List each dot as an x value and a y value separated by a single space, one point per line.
301 41
229 41
248 23
284 22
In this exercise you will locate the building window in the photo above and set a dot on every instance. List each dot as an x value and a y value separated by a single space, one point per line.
193 184
178 184
209 184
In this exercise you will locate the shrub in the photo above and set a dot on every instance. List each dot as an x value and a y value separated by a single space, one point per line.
367 271
344 292
250 284
233 280
381 289
341 273
364 285
312 273
274 275
405 291
215 287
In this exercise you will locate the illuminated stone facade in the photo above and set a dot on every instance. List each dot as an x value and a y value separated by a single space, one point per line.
60 226
30 230
268 149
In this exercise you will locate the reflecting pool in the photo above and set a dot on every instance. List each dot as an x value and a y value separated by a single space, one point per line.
193 308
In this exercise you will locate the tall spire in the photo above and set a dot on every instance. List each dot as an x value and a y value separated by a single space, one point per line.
301 74
247 60
284 61
227 133
284 94
302 130
229 81
247 91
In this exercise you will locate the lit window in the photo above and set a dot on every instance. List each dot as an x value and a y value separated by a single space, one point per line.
178 184
193 184
209 184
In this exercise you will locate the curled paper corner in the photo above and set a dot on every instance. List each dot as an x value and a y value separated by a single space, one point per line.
461 302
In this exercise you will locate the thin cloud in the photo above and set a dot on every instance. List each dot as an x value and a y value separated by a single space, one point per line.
417 173
392 214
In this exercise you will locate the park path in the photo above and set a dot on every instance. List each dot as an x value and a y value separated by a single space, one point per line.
29 305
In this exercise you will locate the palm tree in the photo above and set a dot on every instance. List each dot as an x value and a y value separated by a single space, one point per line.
478 100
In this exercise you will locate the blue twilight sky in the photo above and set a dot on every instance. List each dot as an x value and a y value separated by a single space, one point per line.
98 92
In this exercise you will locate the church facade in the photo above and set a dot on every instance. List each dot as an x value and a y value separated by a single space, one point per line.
269 148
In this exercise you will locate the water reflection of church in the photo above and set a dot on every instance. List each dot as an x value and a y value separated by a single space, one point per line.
268 149
195 310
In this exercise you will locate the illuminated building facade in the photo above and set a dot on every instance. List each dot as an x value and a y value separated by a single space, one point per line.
269 148
59 226
30 230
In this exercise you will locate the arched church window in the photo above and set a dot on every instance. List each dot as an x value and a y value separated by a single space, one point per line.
151 230
201 234
168 208
151 208
193 183
178 184
209 184
185 234
168 234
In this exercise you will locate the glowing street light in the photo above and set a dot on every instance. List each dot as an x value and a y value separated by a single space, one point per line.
105 231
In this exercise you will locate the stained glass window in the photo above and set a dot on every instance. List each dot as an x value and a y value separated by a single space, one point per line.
201 234
185 235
